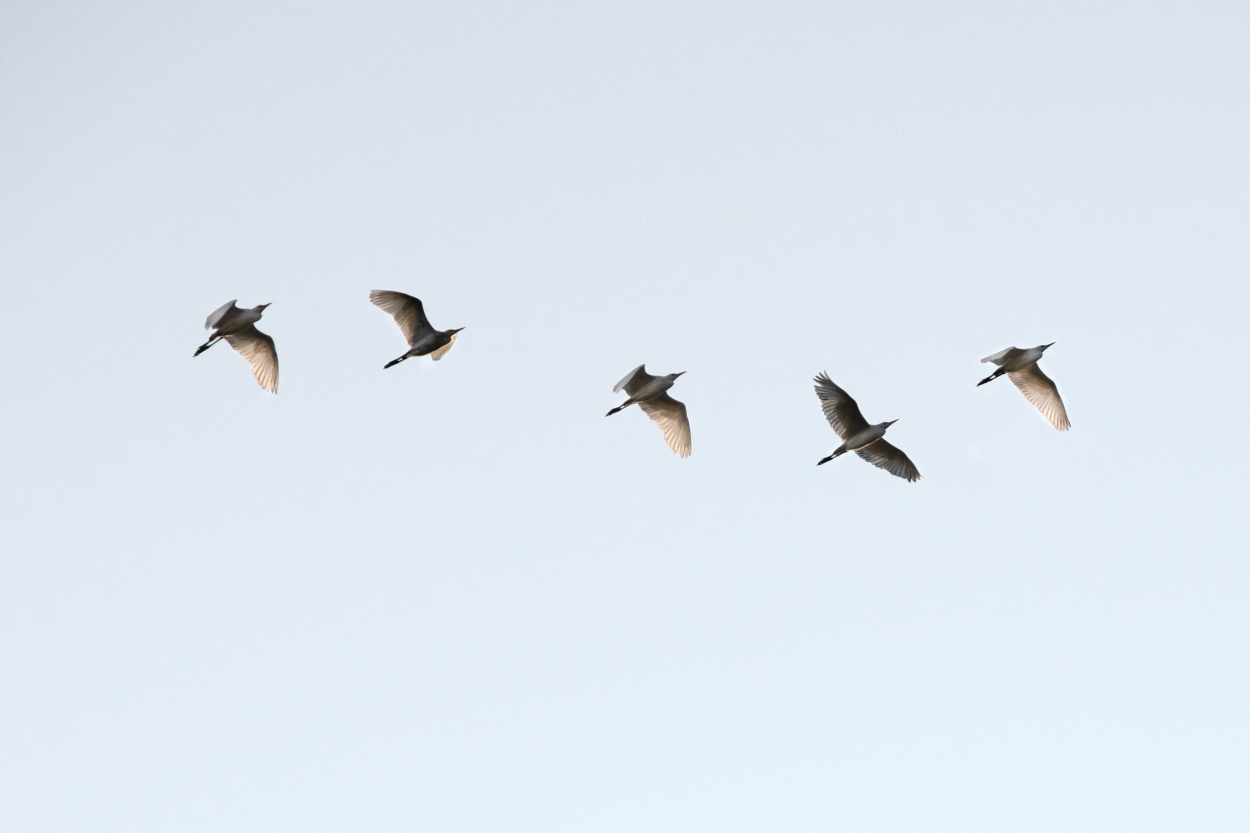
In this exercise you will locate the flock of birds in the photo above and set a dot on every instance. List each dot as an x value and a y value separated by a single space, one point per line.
650 393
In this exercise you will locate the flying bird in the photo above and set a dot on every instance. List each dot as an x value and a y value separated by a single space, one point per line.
857 435
1021 367
238 327
651 394
409 314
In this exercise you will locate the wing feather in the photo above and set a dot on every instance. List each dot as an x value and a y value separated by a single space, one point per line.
999 357
408 312
670 415
442 351
885 456
1041 391
634 379
215 317
261 354
840 409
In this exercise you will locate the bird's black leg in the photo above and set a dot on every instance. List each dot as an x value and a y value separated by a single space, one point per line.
992 376
207 345
397 361
620 407
837 453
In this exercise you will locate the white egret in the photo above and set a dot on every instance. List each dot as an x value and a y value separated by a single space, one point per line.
409 314
238 327
1021 367
857 435
651 394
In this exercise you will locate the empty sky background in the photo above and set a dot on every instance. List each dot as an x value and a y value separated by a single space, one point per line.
452 596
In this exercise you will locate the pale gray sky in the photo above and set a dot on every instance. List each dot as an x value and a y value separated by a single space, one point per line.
453 597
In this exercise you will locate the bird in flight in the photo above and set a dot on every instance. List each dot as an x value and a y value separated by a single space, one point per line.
857 435
238 327
409 314
651 394
1021 367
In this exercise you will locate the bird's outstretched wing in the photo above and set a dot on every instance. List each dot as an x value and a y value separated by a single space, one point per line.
408 312
215 317
999 357
670 415
1038 388
885 456
442 351
260 353
634 380
840 409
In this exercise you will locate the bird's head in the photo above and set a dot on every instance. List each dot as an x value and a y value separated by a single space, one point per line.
672 377
1052 344
457 329
891 422
261 307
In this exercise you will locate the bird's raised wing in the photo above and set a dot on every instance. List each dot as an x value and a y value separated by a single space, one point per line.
634 380
1038 388
999 357
885 456
840 409
260 353
670 415
215 318
442 351
408 312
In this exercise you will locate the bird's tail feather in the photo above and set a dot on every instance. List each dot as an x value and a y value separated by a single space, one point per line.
395 362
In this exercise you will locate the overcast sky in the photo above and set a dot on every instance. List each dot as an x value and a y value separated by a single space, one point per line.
452 596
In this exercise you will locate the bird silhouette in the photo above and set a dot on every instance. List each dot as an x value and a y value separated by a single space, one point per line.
857 435
409 314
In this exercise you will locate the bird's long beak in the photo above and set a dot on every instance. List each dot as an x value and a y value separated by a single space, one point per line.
458 329
681 373
262 306
1052 344
891 422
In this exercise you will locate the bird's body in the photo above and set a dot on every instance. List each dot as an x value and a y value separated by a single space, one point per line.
238 327
650 393
1021 367
862 438
858 435
409 314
